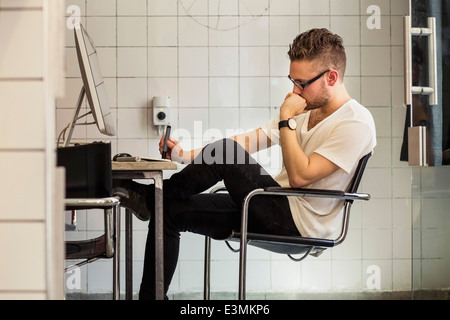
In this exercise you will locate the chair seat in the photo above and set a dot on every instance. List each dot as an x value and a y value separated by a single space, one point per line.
285 244
86 249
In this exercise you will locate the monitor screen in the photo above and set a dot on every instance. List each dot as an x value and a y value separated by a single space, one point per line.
94 86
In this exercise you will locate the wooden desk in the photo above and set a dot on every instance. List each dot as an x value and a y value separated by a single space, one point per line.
144 170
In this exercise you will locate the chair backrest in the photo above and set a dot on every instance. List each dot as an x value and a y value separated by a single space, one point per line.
88 170
356 180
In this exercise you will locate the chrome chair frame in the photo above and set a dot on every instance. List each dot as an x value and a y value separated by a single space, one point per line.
103 247
286 244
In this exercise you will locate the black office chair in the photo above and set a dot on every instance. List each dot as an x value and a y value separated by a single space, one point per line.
286 244
89 186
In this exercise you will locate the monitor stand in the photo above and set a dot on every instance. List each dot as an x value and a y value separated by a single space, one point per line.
75 117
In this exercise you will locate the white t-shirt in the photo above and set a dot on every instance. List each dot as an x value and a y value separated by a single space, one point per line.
343 137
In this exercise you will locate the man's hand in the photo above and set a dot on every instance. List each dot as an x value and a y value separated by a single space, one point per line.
176 153
293 105
171 145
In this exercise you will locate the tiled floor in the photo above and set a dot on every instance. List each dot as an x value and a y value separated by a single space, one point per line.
400 295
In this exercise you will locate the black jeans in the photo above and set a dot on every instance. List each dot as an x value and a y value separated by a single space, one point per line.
186 208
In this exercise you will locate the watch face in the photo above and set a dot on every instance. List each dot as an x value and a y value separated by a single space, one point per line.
292 124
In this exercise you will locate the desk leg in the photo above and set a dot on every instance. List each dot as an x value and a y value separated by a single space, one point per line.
116 257
128 255
157 176
159 245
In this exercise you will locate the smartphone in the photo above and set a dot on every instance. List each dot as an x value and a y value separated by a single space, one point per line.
166 137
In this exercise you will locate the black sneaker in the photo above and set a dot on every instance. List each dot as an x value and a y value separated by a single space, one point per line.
133 197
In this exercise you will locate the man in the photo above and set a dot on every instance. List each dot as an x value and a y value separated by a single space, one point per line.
322 132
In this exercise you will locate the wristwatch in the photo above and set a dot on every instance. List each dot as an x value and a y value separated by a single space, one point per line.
290 123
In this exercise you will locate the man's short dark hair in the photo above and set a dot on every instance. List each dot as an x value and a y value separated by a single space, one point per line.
320 46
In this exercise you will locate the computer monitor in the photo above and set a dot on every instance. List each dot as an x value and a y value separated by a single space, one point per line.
93 86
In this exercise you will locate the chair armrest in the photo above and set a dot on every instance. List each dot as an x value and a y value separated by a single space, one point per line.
91 202
304 192
318 193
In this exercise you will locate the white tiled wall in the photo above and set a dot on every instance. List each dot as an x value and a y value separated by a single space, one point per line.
431 259
31 222
226 70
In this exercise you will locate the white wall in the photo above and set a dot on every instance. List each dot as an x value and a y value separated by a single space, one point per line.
31 192
227 70
431 223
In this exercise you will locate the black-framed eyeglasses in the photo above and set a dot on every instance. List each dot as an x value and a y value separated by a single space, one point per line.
302 85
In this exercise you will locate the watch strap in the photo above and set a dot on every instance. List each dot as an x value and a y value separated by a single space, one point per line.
283 123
